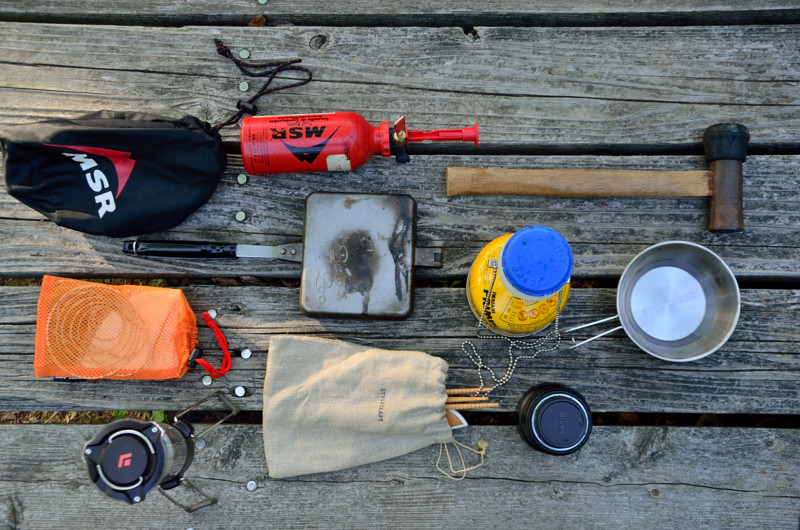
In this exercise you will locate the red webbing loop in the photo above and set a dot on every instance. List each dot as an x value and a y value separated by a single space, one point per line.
223 343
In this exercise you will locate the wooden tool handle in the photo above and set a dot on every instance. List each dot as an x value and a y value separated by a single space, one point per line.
578 182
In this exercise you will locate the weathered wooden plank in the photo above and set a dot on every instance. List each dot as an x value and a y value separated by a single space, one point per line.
604 233
413 13
755 372
624 477
532 89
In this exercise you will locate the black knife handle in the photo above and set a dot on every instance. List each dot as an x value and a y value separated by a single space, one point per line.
150 248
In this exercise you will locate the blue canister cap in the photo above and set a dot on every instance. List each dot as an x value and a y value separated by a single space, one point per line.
537 261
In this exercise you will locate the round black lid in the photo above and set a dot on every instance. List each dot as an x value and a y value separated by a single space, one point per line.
554 419
125 460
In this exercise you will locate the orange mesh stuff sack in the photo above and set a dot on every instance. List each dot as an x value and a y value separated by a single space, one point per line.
89 330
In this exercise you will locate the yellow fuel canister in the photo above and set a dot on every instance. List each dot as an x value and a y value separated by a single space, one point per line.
514 284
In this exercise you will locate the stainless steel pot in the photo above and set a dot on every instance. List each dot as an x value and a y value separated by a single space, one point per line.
677 301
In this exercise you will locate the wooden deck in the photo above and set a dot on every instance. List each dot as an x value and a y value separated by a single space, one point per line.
709 443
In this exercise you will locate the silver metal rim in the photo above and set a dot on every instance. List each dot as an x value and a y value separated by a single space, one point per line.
621 302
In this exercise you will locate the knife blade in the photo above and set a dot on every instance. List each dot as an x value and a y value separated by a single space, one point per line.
151 248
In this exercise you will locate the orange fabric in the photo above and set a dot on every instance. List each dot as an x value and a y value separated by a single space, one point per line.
89 330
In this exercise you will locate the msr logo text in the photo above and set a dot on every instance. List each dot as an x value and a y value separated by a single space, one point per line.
96 179
294 133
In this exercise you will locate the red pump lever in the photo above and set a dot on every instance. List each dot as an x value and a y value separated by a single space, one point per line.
467 134
402 136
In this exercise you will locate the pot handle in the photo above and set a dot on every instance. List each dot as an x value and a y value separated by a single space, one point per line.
593 324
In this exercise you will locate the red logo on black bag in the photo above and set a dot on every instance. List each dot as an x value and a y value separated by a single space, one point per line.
97 180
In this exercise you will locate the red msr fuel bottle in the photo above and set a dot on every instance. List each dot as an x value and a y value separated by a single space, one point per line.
339 141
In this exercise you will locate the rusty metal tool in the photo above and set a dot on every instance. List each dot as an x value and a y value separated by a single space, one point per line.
725 147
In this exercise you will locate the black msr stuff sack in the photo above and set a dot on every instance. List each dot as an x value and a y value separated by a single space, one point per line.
113 173
126 173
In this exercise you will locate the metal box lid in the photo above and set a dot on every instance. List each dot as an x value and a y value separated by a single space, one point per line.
358 255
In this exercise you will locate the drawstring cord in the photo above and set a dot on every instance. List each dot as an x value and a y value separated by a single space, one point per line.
270 71
223 343
461 473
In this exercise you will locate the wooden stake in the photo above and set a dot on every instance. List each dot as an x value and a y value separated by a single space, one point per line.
466 399
470 406
463 391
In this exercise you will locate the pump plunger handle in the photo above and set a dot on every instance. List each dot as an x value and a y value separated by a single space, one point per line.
467 134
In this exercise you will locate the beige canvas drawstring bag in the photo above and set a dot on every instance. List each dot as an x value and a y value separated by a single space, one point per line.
330 405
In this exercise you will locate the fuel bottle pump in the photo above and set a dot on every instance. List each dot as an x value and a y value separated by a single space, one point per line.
338 141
